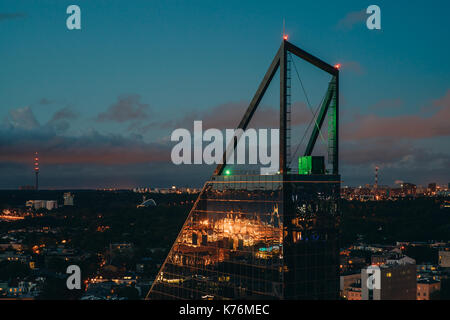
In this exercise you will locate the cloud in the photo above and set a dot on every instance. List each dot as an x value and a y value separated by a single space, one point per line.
22 118
60 120
398 160
353 66
128 107
93 158
386 152
403 126
89 160
387 104
89 148
351 19
22 135
400 145
228 115
10 16
443 101
45 101
64 113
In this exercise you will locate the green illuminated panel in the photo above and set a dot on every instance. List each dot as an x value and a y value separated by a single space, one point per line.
311 165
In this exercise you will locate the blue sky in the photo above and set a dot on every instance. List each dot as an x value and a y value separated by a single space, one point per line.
139 69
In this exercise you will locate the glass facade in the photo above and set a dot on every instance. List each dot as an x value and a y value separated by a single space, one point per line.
257 237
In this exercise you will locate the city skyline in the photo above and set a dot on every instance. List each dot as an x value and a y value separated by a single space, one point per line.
253 153
99 104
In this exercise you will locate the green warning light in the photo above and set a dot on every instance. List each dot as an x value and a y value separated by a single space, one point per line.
227 172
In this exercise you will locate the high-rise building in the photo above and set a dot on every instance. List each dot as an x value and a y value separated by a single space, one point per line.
408 188
257 237
264 236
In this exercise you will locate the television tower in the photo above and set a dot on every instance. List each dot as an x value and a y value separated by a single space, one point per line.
376 177
36 169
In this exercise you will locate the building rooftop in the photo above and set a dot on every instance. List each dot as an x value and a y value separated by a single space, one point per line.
427 281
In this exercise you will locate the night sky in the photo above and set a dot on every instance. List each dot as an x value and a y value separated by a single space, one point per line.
100 103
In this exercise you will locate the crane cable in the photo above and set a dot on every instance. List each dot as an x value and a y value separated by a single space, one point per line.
314 113
306 131
307 99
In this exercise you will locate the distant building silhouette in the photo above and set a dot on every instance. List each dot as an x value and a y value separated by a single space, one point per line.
68 199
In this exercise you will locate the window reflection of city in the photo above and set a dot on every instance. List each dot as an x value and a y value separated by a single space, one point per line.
232 244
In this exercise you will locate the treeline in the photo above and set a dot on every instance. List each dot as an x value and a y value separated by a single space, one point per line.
389 221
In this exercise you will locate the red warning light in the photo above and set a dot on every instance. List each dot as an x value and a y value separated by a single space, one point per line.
337 66
285 37
36 162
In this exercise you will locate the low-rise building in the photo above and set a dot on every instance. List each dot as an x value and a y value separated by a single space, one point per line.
394 280
444 259
426 287
346 282
354 292
42 204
